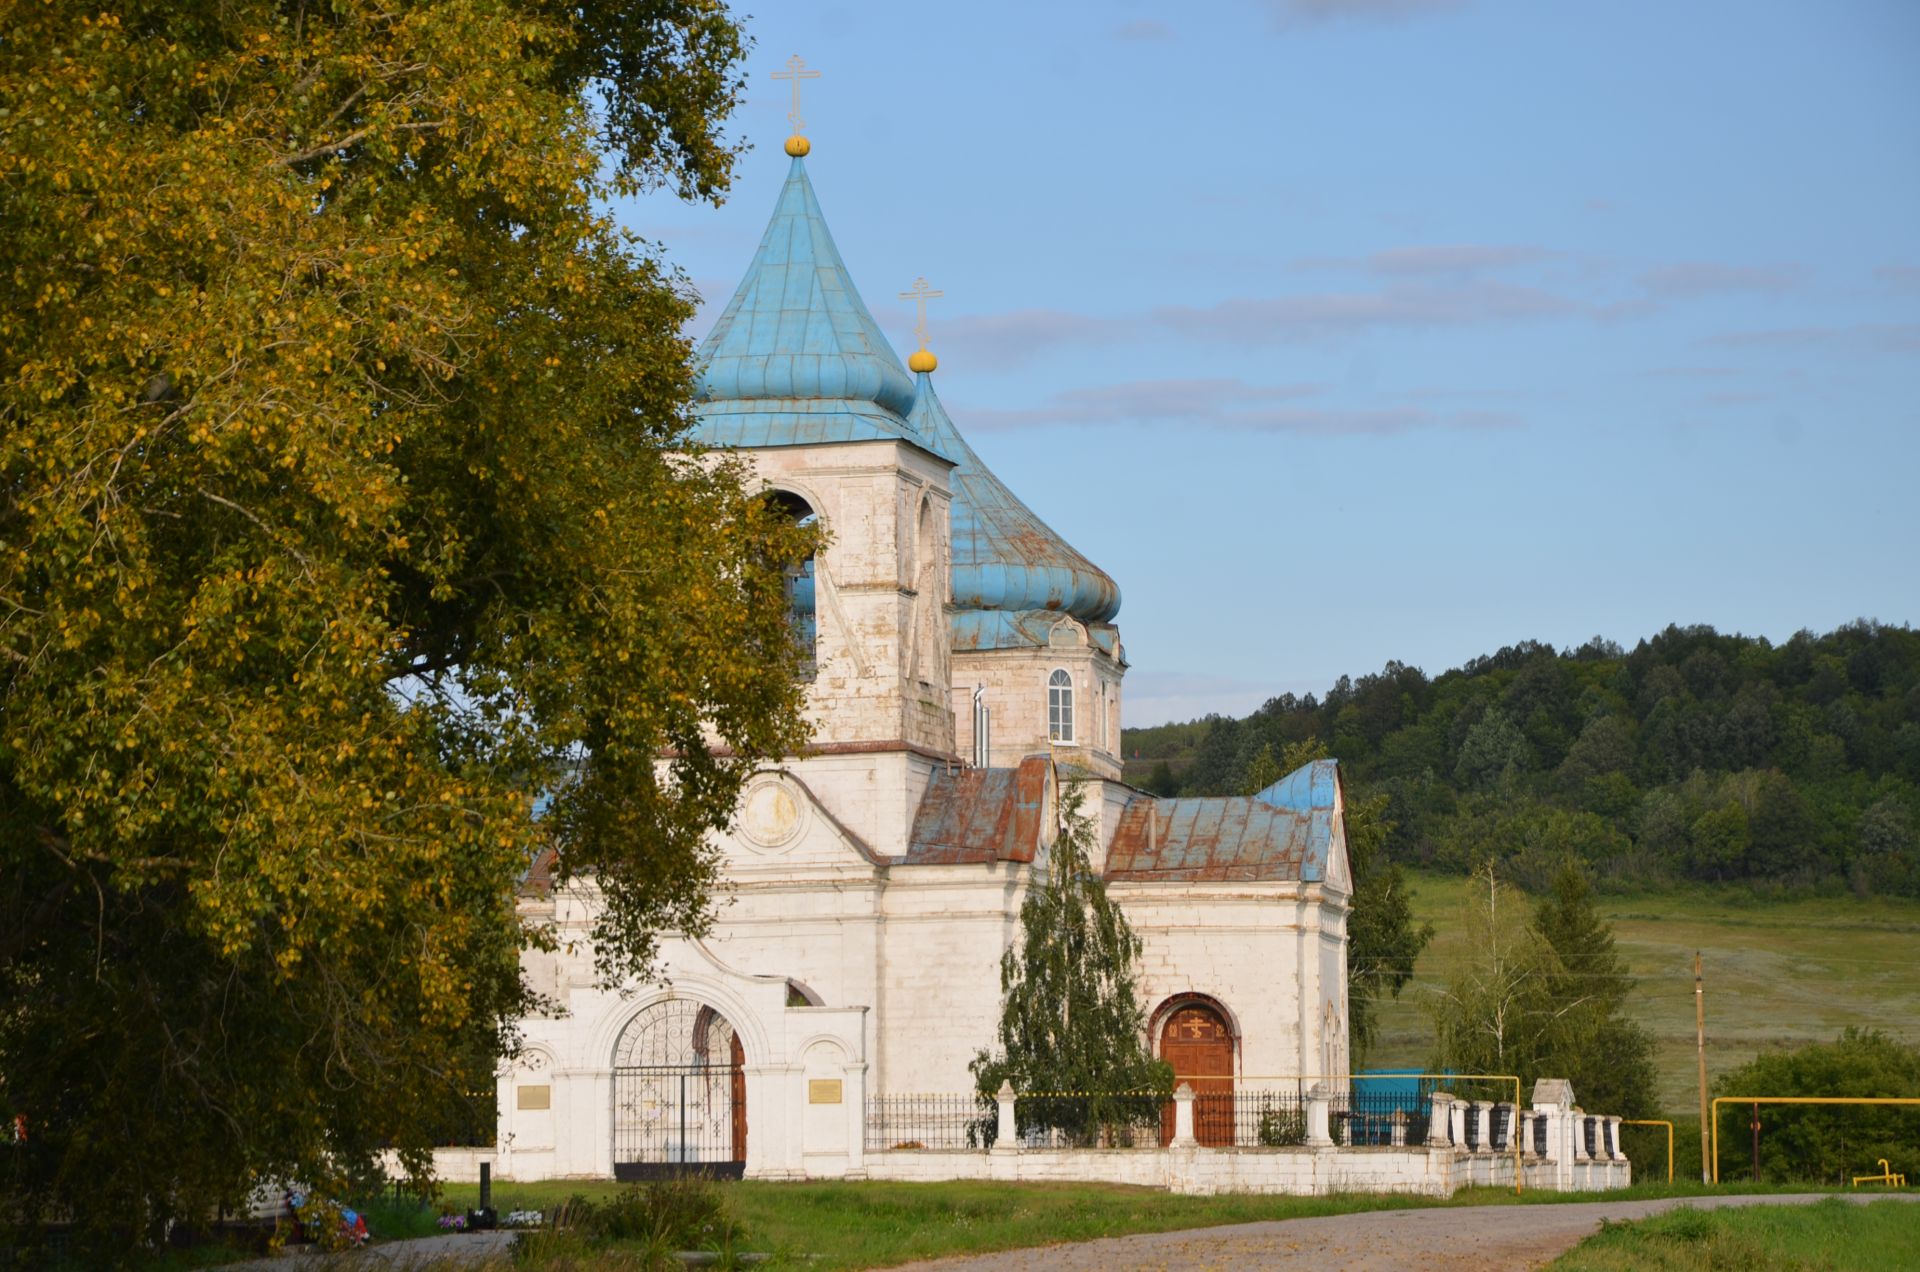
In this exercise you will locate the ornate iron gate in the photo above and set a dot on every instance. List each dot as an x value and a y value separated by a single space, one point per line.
679 1095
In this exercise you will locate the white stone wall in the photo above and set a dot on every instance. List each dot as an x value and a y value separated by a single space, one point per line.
1015 681
1291 1171
1255 948
882 588
945 930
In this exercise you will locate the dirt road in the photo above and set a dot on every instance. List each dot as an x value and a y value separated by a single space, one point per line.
1463 1239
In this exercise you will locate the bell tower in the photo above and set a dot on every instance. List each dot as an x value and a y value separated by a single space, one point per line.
798 380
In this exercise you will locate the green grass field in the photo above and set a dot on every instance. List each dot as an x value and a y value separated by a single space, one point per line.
1778 973
1831 1235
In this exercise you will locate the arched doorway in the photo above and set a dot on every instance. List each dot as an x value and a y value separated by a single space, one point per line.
1196 1041
679 1094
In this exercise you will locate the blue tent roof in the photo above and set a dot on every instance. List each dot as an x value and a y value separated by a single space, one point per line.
795 358
1004 557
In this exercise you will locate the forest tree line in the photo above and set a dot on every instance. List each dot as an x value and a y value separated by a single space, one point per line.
1697 755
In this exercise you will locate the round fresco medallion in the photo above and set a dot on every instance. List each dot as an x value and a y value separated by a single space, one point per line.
770 814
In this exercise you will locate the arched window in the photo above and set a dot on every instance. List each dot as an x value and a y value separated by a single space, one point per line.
1060 706
800 591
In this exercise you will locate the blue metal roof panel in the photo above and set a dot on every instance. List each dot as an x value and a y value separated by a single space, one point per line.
1004 556
799 422
1313 791
796 326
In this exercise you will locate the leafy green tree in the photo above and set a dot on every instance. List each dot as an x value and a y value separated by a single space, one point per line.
344 513
1720 839
1544 998
1592 1043
1701 755
1825 1144
1495 1013
1072 1026
1263 772
1494 750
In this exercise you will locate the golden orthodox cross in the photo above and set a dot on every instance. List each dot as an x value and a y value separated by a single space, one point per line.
920 295
796 71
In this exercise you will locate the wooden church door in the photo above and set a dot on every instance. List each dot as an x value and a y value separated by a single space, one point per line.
1196 1042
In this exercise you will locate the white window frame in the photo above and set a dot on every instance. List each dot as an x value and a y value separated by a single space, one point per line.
1060 706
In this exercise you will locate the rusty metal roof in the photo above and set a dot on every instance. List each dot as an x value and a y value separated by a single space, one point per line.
977 816
1283 833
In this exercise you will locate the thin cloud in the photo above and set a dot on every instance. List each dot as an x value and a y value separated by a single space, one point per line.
1864 338
1021 334
1263 320
1900 277
1289 13
1440 258
1693 373
1224 404
1698 278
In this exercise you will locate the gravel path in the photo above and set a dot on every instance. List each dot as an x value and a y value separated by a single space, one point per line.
1456 1239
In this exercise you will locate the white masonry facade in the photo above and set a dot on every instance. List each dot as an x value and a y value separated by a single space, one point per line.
873 882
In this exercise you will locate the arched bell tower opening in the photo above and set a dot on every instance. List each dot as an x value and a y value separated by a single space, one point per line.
801 574
679 1094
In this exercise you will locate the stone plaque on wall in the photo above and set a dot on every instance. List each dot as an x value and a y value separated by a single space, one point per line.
536 1097
823 1091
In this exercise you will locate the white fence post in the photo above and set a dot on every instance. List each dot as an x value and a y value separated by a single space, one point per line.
1007 1136
1183 1116
1440 1126
1319 1130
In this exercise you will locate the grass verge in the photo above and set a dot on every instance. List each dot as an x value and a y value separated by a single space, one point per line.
877 1224
1831 1234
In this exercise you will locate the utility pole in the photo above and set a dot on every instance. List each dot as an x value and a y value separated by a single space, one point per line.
1700 1040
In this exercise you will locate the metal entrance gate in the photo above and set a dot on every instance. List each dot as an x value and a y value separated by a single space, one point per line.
679 1094
679 1119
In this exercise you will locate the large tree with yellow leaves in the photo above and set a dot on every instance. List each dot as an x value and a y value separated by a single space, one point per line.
345 517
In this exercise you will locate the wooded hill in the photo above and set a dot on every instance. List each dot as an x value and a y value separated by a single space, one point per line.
1696 756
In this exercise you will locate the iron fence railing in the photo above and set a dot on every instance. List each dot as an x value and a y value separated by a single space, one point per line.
1377 1119
930 1123
1246 1117
1091 1119
1260 1119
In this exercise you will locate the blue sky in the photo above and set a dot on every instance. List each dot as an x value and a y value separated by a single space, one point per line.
1341 331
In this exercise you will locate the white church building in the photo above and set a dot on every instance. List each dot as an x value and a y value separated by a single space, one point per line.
965 666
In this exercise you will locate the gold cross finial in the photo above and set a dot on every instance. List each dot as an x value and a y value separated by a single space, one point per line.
796 71
920 294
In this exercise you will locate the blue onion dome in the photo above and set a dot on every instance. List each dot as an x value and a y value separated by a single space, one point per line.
796 358
1004 557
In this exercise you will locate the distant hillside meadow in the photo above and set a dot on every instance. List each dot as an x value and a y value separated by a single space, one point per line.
1696 756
